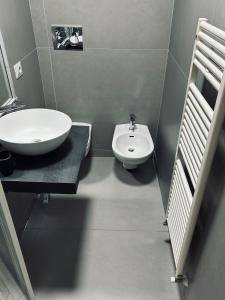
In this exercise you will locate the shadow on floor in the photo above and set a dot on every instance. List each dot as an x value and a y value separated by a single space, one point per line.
21 206
144 174
103 167
85 167
53 254
53 241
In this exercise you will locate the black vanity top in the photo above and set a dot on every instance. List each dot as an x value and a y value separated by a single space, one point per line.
55 172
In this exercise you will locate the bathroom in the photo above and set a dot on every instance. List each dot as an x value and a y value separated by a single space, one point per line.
105 239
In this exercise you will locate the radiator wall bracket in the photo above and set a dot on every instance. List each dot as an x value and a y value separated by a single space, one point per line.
180 279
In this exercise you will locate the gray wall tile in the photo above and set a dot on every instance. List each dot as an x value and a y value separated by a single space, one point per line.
219 19
170 118
39 24
16 26
127 24
44 58
17 30
103 87
29 86
186 14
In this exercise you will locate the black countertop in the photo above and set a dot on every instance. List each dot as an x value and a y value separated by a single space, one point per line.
54 172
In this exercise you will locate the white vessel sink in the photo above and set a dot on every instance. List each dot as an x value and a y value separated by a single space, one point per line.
34 131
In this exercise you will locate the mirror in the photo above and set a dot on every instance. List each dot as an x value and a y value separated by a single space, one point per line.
6 84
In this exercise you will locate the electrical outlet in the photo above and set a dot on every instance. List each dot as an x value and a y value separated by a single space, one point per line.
18 70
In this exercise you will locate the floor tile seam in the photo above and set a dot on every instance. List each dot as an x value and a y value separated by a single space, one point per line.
132 201
95 229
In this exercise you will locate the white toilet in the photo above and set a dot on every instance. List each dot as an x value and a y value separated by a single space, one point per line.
132 146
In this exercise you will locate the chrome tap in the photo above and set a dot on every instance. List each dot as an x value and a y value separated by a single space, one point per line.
11 105
132 122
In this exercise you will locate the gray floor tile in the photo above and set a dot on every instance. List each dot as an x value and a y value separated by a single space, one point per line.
106 242
105 201
108 172
98 264
70 213
109 181
20 205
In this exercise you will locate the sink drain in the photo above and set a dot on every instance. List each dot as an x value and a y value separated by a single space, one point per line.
37 140
131 149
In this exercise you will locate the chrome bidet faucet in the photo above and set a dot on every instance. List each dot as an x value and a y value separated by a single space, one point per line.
132 122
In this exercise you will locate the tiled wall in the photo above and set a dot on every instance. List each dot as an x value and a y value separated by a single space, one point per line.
122 67
17 31
204 268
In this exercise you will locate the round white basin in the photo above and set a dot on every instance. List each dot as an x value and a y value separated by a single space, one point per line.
34 131
134 145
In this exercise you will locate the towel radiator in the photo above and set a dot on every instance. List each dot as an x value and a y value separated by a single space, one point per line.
198 136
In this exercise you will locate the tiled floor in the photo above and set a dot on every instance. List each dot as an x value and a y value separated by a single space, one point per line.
105 243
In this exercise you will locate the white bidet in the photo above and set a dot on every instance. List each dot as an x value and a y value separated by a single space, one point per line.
132 147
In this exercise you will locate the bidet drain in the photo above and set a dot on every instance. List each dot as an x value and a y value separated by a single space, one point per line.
131 149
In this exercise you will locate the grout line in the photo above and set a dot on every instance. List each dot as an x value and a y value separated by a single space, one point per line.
183 73
164 208
95 229
111 49
178 65
161 104
130 49
43 47
53 81
32 19
42 80
171 23
50 55
28 54
160 111
25 56
214 12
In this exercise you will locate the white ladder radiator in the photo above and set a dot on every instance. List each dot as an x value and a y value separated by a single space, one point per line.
200 127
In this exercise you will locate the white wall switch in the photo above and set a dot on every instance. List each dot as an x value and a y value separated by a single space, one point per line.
18 70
